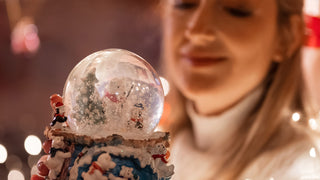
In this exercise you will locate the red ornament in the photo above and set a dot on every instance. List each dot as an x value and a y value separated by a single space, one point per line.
37 177
42 168
46 146
312 31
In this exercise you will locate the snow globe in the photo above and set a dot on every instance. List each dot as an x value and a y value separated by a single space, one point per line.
104 124
113 91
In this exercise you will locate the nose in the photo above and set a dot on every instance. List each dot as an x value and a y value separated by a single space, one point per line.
200 29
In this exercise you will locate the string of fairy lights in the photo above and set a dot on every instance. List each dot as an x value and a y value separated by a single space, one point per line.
312 122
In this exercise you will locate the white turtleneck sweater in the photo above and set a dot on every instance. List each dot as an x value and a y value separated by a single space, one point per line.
193 162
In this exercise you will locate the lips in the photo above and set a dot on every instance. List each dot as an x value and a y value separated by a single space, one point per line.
199 57
198 61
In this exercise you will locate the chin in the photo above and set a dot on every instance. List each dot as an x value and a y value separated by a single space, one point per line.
198 88
198 81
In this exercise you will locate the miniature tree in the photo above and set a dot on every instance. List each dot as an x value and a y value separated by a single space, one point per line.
89 106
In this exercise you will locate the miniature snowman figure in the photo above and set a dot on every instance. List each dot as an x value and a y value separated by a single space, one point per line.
125 173
136 116
57 156
59 120
160 155
116 95
99 167
117 91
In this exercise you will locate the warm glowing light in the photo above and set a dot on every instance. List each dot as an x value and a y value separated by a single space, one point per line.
3 154
15 175
312 152
165 85
312 7
296 117
158 129
271 178
313 124
32 144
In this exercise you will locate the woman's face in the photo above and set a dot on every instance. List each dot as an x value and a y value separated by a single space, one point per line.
217 51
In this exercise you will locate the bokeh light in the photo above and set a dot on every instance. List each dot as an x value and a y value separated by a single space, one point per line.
165 85
313 152
296 116
311 7
13 162
15 175
32 144
3 154
313 124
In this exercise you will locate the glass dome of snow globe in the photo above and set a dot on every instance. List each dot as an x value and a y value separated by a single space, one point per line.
113 91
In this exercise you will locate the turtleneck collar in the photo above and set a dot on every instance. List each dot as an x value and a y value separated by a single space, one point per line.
213 131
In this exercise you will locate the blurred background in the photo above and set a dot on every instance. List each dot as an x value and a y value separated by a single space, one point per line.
40 42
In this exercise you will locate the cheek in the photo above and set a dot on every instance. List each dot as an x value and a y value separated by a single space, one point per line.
252 60
173 37
255 39
252 48
174 28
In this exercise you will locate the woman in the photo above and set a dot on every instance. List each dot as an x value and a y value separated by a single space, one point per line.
235 69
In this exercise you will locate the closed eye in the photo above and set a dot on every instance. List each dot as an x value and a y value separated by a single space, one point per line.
237 12
185 5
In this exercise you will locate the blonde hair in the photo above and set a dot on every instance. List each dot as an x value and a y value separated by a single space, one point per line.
269 125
